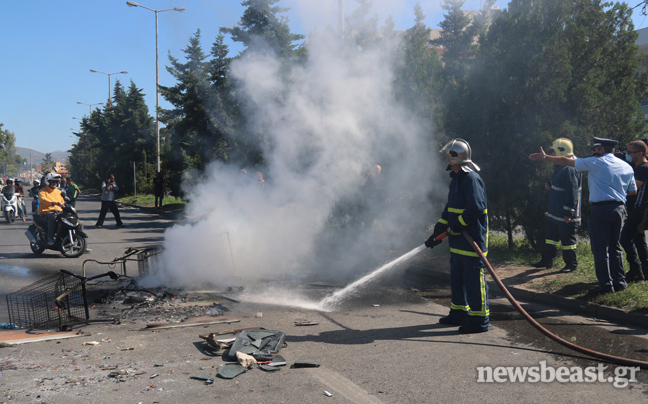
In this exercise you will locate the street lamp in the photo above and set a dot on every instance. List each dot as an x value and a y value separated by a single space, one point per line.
157 71
90 105
108 74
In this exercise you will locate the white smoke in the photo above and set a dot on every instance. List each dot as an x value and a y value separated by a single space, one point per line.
326 123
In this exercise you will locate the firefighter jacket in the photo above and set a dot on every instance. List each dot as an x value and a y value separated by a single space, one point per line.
467 205
565 195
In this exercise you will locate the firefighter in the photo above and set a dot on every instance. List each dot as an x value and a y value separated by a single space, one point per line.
465 210
564 213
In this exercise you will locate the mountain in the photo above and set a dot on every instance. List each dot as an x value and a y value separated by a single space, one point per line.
37 157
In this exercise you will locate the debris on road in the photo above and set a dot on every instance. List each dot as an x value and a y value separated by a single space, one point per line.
205 378
231 370
302 364
327 394
305 322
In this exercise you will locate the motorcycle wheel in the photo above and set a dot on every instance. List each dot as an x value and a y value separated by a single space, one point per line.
37 248
12 216
73 248
6 215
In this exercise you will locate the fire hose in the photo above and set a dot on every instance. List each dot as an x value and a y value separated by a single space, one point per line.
599 355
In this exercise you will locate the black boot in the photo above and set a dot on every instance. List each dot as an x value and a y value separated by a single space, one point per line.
644 270
543 264
634 274
569 256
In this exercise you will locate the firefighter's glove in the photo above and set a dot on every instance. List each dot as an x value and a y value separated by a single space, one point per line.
456 227
431 242
439 229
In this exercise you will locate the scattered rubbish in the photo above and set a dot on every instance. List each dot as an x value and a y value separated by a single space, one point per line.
160 326
375 305
231 370
305 322
120 372
278 360
268 368
204 378
8 326
153 376
258 315
327 394
245 359
107 340
126 349
90 343
259 343
297 365
158 365
206 358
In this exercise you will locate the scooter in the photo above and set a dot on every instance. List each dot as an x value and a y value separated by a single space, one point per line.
35 202
9 206
70 239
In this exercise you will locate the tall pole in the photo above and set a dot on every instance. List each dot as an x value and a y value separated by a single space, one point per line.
134 179
157 91
341 16
31 170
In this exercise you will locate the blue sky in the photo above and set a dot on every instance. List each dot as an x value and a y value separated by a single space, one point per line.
48 48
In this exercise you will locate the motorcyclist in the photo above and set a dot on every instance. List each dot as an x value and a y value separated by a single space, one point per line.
51 203
33 192
22 210
9 189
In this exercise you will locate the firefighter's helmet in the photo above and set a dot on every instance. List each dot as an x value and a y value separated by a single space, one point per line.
563 147
457 151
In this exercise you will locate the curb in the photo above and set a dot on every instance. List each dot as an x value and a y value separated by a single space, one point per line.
575 306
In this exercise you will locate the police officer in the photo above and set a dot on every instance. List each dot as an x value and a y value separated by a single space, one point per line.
564 213
610 180
465 210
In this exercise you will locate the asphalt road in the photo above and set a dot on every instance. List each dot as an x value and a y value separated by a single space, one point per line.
383 347
20 267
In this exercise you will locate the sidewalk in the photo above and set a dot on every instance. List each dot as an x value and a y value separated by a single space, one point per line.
519 280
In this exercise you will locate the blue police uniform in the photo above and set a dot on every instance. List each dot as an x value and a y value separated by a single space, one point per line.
564 201
467 205
610 179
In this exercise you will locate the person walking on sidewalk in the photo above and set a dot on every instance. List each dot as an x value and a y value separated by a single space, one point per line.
108 188
632 240
610 182
564 212
158 189
73 192
465 210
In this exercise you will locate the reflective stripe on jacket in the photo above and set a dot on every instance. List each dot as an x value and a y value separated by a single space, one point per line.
565 195
467 204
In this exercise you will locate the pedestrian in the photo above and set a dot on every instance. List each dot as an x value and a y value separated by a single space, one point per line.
158 189
564 212
632 240
610 181
73 192
466 210
108 189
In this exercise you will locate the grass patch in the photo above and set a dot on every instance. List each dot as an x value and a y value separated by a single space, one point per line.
574 284
170 203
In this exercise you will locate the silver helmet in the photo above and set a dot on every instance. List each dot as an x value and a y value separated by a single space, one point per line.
457 151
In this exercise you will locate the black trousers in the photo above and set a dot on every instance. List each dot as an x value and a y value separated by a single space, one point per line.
606 221
562 232
105 206
632 241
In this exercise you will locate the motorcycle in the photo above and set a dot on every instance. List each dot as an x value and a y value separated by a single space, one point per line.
70 239
35 201
9 206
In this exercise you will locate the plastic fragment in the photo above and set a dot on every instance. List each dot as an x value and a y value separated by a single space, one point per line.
327 394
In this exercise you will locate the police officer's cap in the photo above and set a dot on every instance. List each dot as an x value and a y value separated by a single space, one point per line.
607 143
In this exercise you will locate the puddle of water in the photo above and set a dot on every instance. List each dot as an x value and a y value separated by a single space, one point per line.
15 270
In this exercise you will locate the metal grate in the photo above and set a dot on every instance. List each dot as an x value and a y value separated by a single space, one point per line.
35 306
147 260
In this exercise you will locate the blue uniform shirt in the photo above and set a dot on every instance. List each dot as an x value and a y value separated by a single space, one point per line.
609 179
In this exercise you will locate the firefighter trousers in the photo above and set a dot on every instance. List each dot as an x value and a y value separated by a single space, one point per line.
469 291
565 234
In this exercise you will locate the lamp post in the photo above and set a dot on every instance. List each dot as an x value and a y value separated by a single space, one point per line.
108 74
89 105
157 71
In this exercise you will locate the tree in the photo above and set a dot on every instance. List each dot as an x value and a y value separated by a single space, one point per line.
418 76
48 163
262 30
545 70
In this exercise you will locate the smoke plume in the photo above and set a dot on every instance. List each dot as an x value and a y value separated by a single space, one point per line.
326 124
